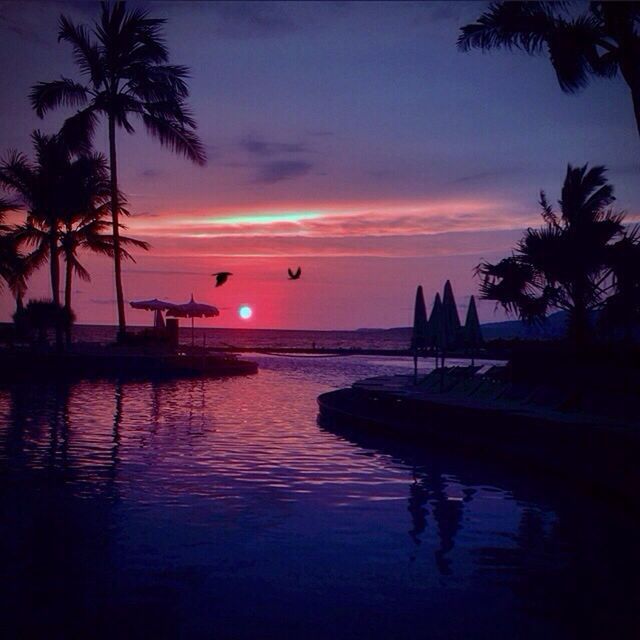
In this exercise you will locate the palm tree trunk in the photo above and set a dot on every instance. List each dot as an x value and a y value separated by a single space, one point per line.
67 284
631 75
67 295
635 95
115 205
55 279
54 265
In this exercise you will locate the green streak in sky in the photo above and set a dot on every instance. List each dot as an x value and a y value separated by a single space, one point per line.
266 218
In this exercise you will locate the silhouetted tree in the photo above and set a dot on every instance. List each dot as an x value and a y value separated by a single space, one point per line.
564 264
15 266
126 75
40 316
85 223
40 185
67 198
601 42
622 308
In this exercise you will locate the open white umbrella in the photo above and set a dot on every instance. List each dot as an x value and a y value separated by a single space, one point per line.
153 305
193 309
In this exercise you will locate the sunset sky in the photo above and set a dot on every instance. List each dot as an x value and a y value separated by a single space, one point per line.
351 139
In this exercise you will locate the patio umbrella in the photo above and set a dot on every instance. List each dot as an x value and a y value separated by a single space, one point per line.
419 335
193 309
153 305
451 318
472 330
436 326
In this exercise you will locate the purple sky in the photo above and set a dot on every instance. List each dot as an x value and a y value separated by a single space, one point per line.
350 138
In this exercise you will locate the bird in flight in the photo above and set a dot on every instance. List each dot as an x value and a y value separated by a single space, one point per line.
221 277
294 275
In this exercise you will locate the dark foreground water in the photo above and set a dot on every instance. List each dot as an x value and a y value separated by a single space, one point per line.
220 509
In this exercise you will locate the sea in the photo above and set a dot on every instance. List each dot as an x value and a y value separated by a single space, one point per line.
221 508
260 338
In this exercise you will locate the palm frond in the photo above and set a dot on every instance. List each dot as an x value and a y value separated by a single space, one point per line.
49 95
18 175
157 82
548 214
78 130
85 53
509 25
78 268
6 206
176 137
133 242
573 51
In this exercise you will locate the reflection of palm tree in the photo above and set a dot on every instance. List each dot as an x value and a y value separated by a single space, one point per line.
418 497
116 437
59 428
117 422
563 265
127 75
20 411
622 308
600 43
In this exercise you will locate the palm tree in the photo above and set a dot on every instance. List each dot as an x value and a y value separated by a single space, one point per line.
622 308
41 315
68 200
92 233
40 187
123 61
564 264
601 42
15 267
84 220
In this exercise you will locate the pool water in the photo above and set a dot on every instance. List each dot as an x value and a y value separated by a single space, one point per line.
221 509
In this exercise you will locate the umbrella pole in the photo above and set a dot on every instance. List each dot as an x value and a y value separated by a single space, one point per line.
192 334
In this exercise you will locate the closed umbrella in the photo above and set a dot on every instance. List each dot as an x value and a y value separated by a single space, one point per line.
193 309
451 322
472 330
436 326
419 335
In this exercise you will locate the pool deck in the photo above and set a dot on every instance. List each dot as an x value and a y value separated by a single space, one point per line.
487 417
87 361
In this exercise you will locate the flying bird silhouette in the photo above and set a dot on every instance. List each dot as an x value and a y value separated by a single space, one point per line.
294 275
221 277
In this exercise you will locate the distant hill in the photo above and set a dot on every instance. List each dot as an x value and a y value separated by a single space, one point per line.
553 327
